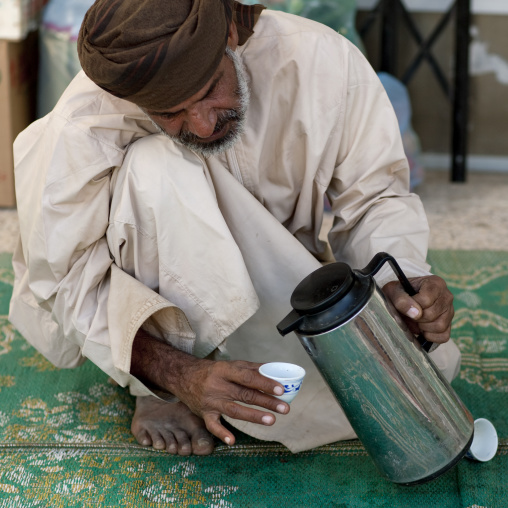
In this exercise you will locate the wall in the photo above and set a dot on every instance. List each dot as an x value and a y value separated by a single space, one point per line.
488 115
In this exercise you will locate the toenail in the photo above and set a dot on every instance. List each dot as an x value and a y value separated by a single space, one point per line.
203 443
145 442
172 448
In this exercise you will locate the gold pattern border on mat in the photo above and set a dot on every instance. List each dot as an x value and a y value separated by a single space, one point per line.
344 448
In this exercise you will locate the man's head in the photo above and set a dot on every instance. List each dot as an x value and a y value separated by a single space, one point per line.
212 120
175 59
154 53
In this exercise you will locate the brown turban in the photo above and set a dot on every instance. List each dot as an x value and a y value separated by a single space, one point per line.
155 53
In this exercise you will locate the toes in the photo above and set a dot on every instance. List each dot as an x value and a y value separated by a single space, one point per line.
142 437
202 442
184 443
163 439
171 443
170 427
158 441
202 445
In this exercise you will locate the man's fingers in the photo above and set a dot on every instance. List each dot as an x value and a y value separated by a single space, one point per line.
250 378
435 298
404 303
436 331
438 312
227 393
238 412
215 427
430 309
440 338
257 398
248 414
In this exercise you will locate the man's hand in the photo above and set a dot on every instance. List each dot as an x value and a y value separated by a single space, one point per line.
430 311
209 388
213 389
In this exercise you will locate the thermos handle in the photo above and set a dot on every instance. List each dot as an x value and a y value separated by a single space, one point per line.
375 265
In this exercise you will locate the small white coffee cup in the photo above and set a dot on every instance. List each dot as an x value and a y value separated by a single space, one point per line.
287 374
485 441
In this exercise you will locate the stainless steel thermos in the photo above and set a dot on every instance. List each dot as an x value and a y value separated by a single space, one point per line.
404 411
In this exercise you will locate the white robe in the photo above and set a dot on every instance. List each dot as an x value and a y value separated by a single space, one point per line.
121 228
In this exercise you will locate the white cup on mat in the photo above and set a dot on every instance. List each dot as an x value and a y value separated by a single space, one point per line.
287 374
485 441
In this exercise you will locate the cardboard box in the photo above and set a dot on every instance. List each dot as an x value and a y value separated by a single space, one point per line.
18 86
19 17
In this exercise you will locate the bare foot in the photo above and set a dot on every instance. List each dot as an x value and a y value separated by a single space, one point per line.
170 426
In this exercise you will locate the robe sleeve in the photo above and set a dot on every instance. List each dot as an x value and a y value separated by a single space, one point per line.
372 207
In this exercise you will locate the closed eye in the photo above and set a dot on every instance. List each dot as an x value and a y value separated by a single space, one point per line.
213 87
167 116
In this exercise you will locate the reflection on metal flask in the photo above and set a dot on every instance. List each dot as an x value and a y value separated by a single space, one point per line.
404 411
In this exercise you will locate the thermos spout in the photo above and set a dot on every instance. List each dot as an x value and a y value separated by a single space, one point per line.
290 323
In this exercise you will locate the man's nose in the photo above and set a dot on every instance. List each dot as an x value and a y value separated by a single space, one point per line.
201 121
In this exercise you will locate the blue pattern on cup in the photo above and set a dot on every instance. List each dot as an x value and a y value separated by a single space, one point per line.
292 388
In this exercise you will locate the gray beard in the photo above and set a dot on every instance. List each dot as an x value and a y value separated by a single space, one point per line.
234 117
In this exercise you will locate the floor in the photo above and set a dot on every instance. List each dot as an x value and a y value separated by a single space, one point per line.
467 216
470 215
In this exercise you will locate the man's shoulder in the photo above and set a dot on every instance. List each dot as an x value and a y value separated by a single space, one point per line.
86 108
82 96
87 132
305 47
280 24
282 39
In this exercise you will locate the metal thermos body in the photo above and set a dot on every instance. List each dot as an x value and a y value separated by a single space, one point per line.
403 410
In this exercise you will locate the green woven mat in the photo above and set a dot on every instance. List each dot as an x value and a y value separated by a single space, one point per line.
65 440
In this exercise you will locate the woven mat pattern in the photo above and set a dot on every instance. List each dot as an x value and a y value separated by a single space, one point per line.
65 439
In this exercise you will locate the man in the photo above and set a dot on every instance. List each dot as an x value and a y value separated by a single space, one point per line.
174 197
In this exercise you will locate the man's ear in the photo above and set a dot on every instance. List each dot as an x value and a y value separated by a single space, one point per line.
233 36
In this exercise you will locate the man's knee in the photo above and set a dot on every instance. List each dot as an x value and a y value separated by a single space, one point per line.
160 181
447 359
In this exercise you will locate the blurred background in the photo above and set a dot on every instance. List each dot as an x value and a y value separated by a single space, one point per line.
444 65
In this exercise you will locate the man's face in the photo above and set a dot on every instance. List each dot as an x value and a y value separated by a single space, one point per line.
212 120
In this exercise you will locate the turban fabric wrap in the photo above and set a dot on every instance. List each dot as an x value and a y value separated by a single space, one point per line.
158 53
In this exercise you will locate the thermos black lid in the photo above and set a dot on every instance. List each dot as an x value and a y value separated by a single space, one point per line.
326 299
322 288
